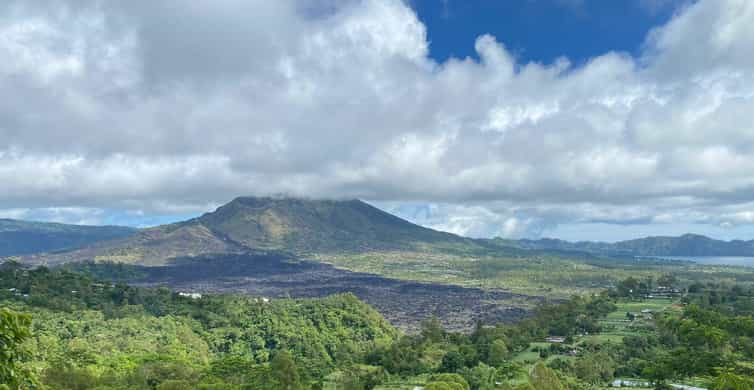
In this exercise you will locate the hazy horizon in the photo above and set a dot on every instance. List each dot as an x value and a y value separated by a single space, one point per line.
594 231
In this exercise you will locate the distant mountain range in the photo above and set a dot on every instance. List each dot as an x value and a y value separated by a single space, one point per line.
23 238
305 227
685 245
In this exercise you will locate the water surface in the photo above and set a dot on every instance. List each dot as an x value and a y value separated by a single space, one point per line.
715 260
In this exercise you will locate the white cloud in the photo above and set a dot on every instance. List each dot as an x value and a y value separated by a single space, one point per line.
72 215
104 105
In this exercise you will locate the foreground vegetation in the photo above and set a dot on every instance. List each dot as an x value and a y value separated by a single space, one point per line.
65 330
90 334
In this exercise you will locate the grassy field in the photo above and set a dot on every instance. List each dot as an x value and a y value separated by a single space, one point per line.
404 384
548 275
617 324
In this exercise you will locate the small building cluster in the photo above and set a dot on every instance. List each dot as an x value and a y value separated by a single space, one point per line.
664 292
643 384
190 295
17 293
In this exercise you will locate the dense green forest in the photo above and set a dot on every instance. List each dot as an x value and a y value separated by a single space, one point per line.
89 334
65 330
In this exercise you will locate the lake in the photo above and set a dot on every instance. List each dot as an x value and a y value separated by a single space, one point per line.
714 260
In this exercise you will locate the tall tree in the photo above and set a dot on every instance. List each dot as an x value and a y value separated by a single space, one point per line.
498 353
544 378
284 371
14 330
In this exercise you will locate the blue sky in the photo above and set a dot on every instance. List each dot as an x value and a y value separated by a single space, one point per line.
576 119
542 30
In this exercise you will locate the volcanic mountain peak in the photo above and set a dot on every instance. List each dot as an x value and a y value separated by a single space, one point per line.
300 226
308 225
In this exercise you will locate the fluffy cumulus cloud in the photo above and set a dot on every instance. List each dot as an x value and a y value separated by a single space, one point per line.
166 107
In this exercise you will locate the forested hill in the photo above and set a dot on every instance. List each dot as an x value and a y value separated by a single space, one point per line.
95 334
22 237
685 245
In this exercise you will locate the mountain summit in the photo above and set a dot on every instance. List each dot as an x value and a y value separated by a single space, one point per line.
304 225
300 226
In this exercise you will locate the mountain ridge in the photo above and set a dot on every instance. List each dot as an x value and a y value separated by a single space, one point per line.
311 227
18 238
688 244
